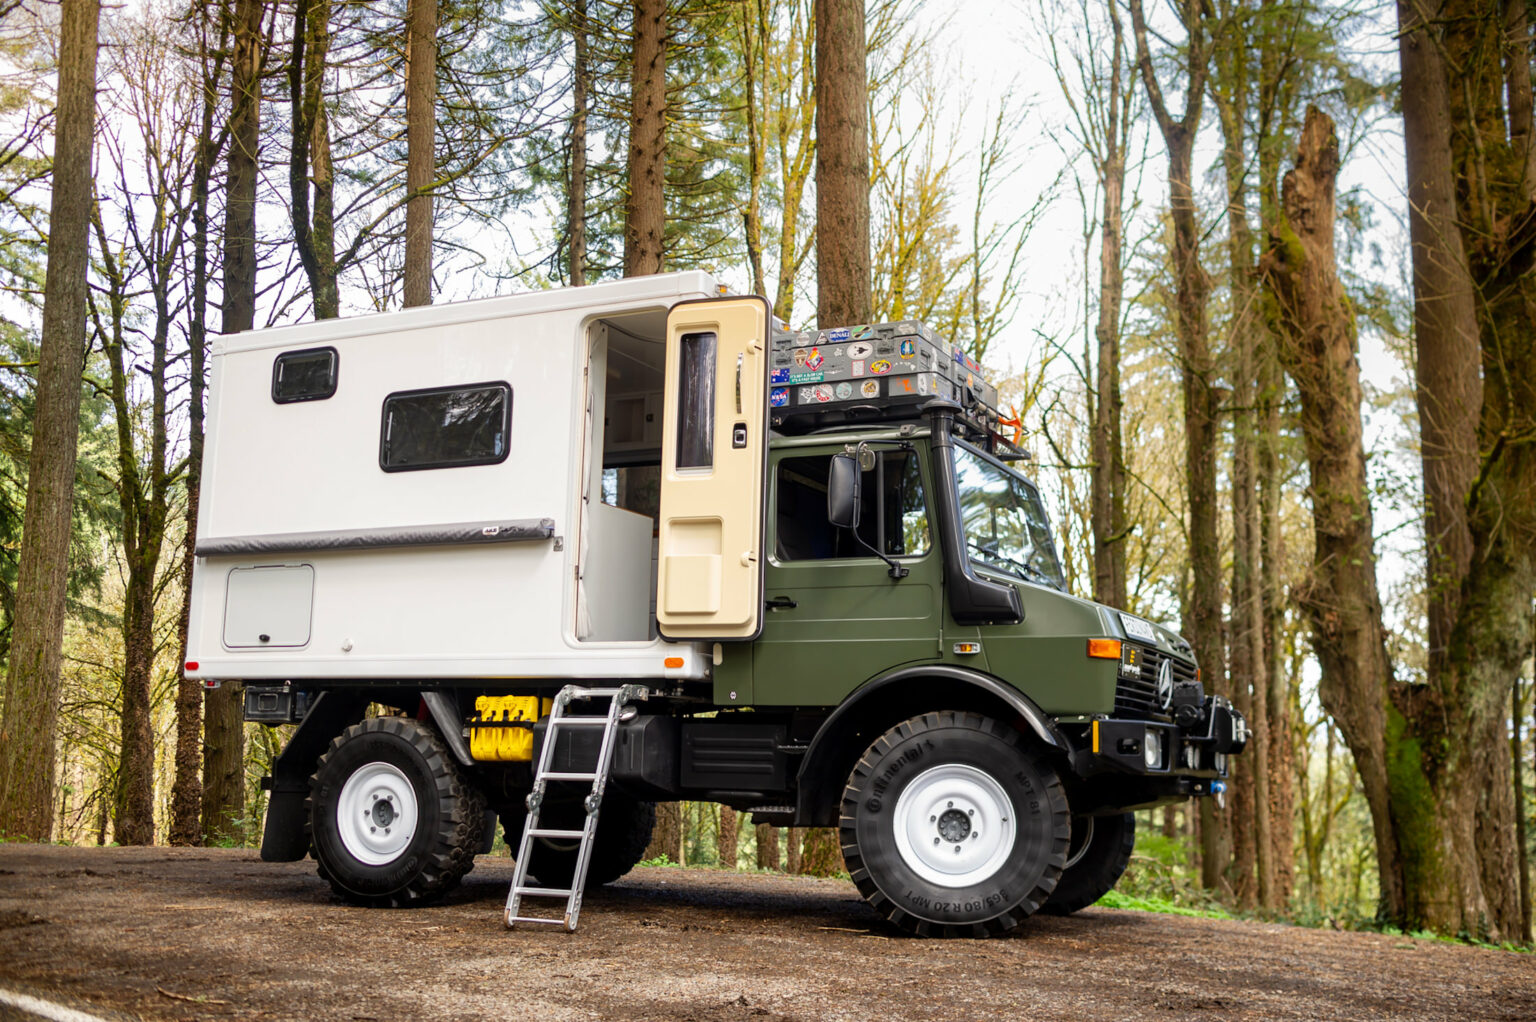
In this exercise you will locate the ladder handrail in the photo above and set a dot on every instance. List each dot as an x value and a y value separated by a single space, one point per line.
617 698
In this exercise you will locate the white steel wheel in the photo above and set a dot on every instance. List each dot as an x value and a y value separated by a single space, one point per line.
392 819
954 825
376 813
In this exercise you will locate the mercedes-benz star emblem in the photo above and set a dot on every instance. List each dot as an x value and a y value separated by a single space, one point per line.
1165 685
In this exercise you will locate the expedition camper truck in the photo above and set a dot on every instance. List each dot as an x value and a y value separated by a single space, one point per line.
482 516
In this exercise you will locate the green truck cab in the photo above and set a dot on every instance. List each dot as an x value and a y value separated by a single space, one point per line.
902 662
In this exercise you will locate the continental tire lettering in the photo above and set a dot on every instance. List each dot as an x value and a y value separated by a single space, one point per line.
882 782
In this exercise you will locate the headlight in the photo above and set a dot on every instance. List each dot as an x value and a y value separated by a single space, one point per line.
1152 749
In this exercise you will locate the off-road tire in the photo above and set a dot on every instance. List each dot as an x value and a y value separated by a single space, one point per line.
624 826
1099 866
969 745
449 814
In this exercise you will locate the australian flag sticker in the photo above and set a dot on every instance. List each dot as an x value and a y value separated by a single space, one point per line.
778 397
778 376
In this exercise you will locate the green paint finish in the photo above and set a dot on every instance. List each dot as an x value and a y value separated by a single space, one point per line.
1046 655
851 622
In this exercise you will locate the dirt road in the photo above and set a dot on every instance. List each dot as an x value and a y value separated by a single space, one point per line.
163 933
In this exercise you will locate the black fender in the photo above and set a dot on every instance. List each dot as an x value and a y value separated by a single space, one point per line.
889 699
450 723
285 838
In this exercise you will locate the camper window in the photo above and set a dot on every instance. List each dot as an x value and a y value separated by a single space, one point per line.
307 375
445 427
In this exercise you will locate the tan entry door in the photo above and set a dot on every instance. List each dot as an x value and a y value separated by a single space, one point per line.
713 455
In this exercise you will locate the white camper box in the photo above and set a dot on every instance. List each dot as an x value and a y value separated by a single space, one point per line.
319 560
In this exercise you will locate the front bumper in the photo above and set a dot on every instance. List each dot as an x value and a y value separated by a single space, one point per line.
1197 750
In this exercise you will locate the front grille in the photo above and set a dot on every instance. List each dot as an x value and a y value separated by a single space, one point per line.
1137 697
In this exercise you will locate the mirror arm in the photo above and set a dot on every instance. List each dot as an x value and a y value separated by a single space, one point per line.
898 570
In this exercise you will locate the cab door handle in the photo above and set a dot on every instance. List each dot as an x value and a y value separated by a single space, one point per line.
781 603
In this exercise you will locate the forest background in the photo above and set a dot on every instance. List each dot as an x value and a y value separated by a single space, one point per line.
1169 231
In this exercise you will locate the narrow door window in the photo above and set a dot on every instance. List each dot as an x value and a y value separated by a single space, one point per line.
696 402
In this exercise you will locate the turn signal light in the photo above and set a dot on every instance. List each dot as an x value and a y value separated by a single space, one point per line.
191 665
672 662
1104 649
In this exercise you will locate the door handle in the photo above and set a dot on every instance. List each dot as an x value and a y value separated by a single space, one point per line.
781 603
740 358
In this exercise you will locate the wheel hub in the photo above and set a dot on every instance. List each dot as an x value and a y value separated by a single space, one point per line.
954 825
376 813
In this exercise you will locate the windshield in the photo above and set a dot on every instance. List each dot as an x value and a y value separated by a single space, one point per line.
1005 524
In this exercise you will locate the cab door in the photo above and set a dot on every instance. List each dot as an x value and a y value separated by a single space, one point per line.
713 457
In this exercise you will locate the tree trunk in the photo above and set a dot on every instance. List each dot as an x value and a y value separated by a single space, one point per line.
187 791
1317 346
752 42
842 165
1470 189
309 158
822 853
667 838
727 838
1197 374
576 192
223 723
420 131
1109 479
33 683
1253 869
645 208
794 849
790 91
1517 716
767 846
1273 120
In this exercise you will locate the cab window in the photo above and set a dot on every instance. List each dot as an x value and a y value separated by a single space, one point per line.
894 520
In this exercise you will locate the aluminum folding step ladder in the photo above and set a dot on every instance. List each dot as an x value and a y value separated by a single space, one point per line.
559 718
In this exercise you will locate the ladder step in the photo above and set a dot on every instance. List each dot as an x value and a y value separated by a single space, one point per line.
545 892
536 919
577 721
554 776
567 834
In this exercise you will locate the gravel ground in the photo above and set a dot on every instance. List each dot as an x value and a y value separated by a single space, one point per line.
163 933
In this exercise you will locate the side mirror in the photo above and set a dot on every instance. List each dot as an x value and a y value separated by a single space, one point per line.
844 481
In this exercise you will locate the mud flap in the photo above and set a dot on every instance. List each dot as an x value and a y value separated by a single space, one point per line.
285 838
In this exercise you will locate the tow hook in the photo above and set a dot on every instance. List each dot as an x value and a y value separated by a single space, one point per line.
1218 790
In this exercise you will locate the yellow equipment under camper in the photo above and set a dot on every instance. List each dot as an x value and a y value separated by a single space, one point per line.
508 736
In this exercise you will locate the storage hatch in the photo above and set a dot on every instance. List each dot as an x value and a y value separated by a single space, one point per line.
268 607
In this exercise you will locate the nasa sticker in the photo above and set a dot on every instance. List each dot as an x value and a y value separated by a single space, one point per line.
778 397
844 391
880 366
862 349
908 348
870 388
